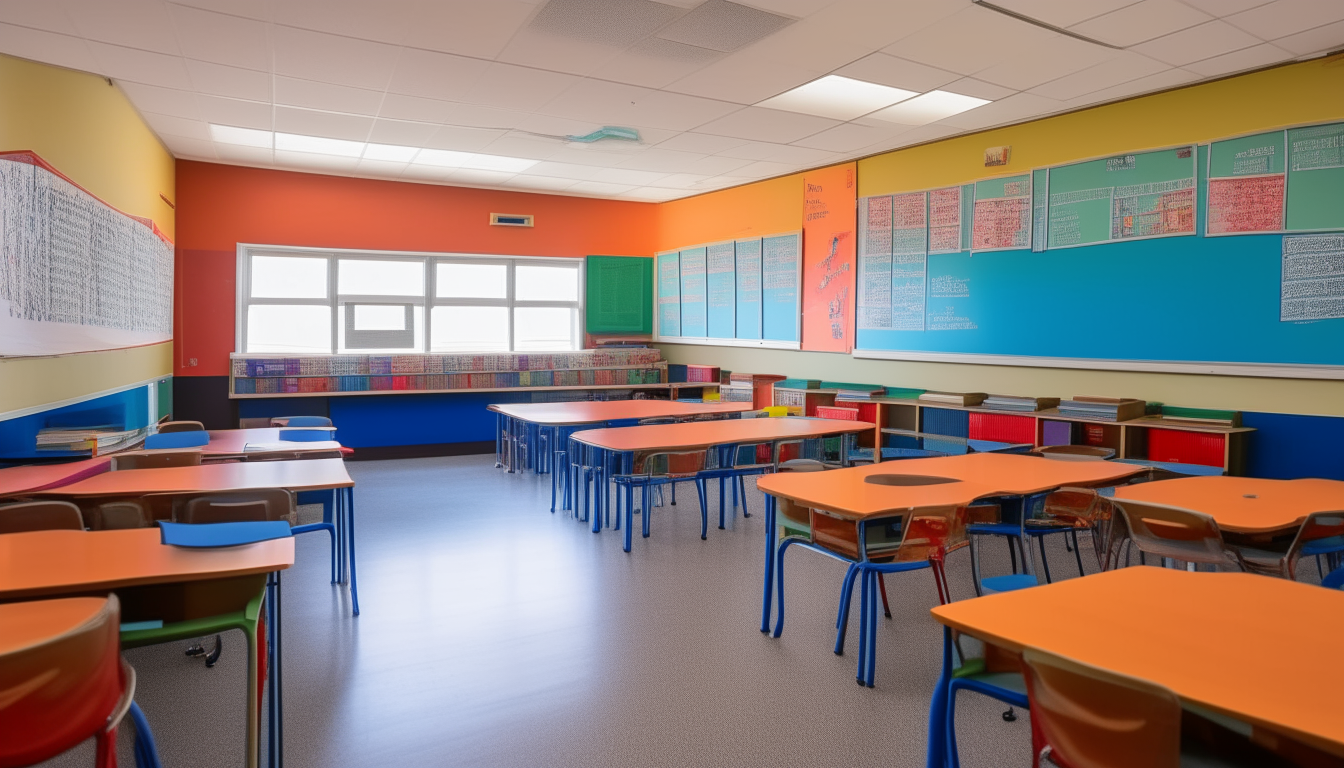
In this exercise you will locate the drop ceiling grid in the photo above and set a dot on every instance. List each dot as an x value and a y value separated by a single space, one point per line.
478 76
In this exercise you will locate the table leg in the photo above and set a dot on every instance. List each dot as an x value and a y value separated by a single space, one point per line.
767 590
939 726
350 522
274 698
499 443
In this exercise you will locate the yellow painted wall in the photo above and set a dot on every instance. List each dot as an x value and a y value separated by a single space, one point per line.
1298 93
88 130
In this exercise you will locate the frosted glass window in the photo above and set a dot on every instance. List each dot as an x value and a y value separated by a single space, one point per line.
469 329
545 283
471 281
288 328
289 277
544 329
380 317
381 277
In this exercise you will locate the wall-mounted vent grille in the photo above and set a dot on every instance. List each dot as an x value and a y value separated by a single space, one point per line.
510 220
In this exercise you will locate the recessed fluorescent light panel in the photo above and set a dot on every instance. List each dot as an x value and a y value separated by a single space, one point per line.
294 142
243 137
840 98
318 145
473 160
929 108
389 152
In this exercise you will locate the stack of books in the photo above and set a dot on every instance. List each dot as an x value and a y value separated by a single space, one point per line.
1102 408
98 439
1015 403
798 384
1202 416
961 399
736 393
858 393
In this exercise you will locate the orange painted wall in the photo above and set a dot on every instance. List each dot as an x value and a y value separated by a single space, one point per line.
764 208
219 206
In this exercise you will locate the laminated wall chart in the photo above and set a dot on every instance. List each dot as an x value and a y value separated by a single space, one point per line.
735 290
76 275
1213 245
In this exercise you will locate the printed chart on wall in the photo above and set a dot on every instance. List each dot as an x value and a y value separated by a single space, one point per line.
828 259
742 291
1229 253
76 275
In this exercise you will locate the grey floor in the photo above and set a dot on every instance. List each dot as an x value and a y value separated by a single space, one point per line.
494 633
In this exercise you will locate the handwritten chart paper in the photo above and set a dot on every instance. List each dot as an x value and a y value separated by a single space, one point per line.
780 257
722 290
693 292
1125 197
1246 184
874 284
945 220
1002 214
908 260
748 255
669 294
1315 178
829 248
1313 278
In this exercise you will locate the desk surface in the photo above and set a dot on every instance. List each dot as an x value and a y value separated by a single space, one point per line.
702 434
23 625
598 411
1252 647
1243 504
310 475
17 481
41 563
235 441
845 493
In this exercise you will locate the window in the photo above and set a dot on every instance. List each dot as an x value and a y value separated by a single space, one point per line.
312 302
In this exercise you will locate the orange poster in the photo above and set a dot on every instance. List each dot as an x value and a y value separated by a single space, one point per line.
829 266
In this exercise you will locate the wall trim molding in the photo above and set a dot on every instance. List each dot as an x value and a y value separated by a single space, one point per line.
1254 370
29 411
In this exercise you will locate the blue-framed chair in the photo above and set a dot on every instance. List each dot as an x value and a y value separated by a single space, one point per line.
1334 579
177 440
997 674
1175 533
1323 530
300 421
646 470
306 435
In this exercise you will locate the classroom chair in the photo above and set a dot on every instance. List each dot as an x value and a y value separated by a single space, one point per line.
1334 579
1069 509
1173 533
306 435
40 516
156 460
647 470
68 688
1324 529
997 674
181 426
1032 524
116 514
300 421
177 440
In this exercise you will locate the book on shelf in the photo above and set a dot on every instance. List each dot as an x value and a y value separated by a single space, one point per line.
754 378
1017 403
859 394
736 393
1102 408
798 384
1201 416
961 399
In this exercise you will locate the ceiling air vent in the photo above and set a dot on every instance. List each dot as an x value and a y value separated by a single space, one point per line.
510 220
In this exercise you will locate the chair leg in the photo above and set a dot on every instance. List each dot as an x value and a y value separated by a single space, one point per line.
742 483
882 586
629 517
105 749
644 510
1045 564
864 584
842 615
779 585
704 509
721 500
1077 553
674 494
1012 553
975 564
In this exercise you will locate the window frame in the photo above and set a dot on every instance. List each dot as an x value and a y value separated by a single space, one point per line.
427 301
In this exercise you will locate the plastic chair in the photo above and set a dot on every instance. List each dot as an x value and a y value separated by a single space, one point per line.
40 516
1076 452
156 460
61 690
1317 528
1176 533
306 435
181 426
1087 717
998 675
177 440
301 421
117 514
1334 579
241 506
655 468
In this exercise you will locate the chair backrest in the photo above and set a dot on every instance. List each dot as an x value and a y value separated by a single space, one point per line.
59 691
929 534
801 465
306 435
1317 526
156 460
243 506
1093 718
301 421
1087 508
40 516
117 514
1166 531
1076 452
670 463
177 440
181 426
1334 579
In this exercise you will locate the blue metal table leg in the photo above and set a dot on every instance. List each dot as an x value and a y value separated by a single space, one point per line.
354 576
767 585
939 727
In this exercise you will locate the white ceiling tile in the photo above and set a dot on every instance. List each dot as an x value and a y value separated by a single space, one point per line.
332 59
921 134
761 170
38 14
1170 78
579 154
616 104
380 168
627 176
1064 13
326 96
233 153
142 24
546 183
779 153
462 139
221 38
468 27
1121 69
311 161
714 165
402 132
1044 61
531 48
177 126
1225 8
1288 17
184 147
1202 42
548 125
165 101
569 171
852 136
657 63
1142 21
512 87
700 142
140 66
419 109
436 75
681 180
234 82
1325 38
252 9
48 47
386 21
970 41
600 188
1238 61
741 80
969 86
516 144
760 124
661 160
897 73
434 173
1017 107
244 114
471 176
651 195
331 125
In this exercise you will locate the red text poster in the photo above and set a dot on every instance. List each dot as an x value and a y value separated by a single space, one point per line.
829 198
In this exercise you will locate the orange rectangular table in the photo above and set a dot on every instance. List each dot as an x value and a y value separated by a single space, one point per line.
1248 506
21 481
1256 649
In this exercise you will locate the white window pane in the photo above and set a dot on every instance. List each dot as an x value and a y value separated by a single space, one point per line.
286 328
379 277
471 281
542 329
380 317
287 277
469 329
532 283
418 318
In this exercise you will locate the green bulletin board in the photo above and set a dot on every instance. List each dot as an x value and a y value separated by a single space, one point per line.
1124 197
1316 178
619 296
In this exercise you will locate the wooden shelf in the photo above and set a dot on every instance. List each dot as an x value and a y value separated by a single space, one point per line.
678 385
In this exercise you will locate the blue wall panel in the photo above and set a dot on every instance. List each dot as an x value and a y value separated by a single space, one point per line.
371 420
122 410
1288 446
